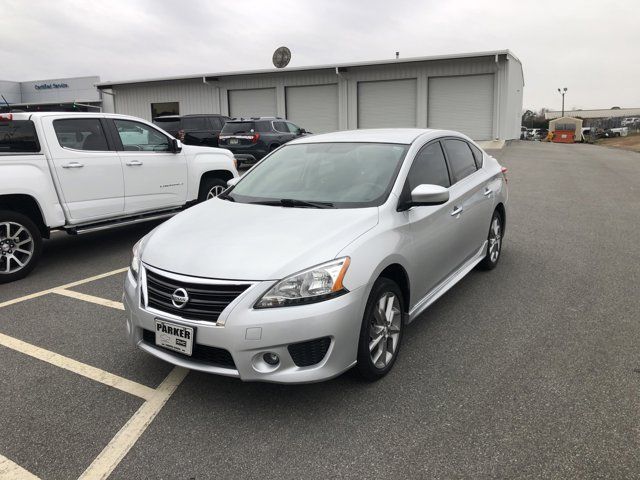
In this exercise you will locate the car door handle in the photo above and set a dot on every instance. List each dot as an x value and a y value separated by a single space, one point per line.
487 192
134 163
73 165
456 211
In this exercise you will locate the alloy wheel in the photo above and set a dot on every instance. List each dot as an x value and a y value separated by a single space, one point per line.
495 239
16 247
215 191
384 330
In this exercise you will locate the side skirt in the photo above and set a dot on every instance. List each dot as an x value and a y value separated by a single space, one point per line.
449 282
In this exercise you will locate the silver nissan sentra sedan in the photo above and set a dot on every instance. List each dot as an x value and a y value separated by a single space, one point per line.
318 257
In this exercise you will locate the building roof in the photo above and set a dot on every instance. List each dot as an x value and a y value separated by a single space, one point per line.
332 66
599 113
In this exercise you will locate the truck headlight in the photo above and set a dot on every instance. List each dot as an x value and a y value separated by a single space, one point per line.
135 259
309 286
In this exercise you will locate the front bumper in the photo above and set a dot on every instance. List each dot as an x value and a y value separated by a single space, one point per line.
247 333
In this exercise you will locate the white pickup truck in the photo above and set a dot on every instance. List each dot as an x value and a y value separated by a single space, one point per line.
82 172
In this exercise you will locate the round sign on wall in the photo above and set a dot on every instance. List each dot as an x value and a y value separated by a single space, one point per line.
281 57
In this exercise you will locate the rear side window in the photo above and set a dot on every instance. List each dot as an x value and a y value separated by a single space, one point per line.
195 123
18 136
460 159
215 123
231 128
263 126
477 155
81 134
429 167
281 127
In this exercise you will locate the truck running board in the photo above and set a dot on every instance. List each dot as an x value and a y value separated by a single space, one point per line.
96 227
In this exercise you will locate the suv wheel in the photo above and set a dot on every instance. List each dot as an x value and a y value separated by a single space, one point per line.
381 330
20 246
211 187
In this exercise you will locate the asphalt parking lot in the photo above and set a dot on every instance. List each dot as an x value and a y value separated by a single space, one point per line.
529 371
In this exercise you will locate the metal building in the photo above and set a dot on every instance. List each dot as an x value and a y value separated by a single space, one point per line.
479 94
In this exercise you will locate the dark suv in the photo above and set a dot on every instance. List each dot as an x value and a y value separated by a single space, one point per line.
250 139
201 129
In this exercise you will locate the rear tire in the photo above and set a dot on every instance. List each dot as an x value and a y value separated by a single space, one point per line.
494 247
381 330
20 245
211 187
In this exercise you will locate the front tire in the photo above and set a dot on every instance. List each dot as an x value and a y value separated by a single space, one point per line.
210 188
494 247
20 246
381 331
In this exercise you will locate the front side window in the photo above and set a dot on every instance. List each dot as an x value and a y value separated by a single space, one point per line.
81 134
138 137
293 128
18 136
429 167
460 159
338 175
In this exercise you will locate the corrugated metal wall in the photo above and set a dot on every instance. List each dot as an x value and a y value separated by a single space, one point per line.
194 96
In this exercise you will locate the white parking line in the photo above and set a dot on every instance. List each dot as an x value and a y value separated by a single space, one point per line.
129 434
83 369
89 298
13 471
68 285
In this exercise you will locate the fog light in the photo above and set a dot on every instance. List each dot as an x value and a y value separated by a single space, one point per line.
271 358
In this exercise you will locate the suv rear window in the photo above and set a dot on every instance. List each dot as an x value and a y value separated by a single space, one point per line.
168 123
18 136
231 128
195 123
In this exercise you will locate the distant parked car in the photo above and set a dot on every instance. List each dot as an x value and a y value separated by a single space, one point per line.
250 139
630 121
201 129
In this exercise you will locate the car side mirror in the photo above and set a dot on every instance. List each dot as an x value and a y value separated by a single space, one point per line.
232 182
427 194
175 145
301 131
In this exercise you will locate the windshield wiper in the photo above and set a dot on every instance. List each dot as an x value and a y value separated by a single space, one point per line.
292 202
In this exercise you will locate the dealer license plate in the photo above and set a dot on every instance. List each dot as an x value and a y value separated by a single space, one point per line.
233 141
174 337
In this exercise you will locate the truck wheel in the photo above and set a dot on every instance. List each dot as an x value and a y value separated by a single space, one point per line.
20 245
211 187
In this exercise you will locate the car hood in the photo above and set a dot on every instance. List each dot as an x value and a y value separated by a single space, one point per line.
228 240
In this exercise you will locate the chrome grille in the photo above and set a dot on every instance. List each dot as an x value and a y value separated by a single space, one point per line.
206 300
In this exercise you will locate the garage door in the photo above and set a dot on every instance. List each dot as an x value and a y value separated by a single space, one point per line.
314 108
387 104
464 104
260 102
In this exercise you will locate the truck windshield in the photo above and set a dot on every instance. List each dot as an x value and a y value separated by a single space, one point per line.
323 175
18 136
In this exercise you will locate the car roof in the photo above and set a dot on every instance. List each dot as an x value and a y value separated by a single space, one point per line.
404 136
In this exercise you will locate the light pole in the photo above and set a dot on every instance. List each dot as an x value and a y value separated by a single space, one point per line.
562 92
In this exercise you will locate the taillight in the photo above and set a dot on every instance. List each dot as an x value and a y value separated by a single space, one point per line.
255 138
504 173
6 116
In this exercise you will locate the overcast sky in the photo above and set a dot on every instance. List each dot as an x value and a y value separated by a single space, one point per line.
592 47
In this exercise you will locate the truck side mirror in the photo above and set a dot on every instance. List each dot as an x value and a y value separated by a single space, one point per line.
175 145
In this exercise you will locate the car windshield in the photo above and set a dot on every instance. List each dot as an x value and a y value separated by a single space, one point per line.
237 127
323 175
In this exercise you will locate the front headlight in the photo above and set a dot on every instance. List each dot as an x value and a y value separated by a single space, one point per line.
309 286
135 259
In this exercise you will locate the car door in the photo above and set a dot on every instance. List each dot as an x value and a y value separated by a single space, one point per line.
470 190
87 167
432 228
154 176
